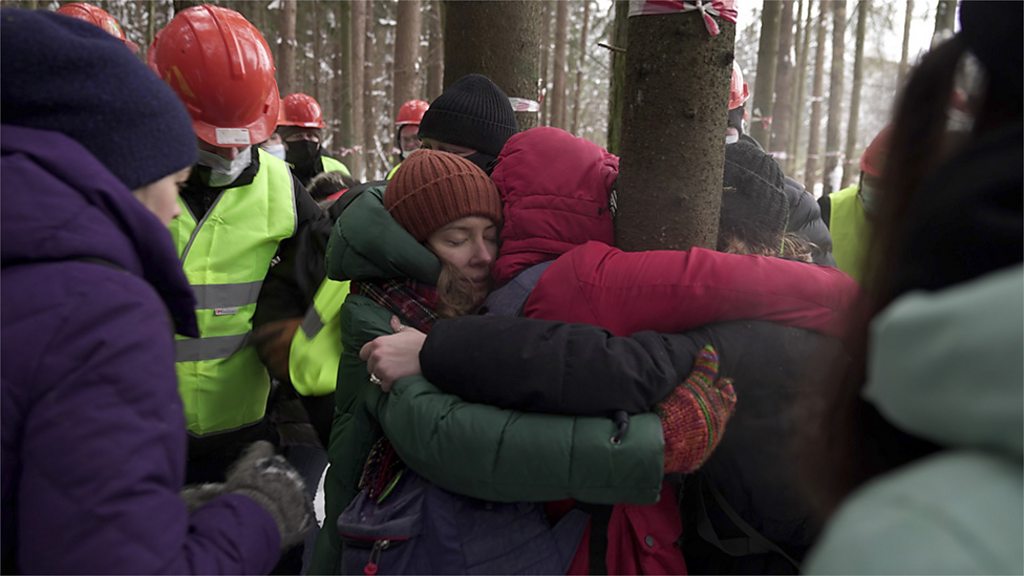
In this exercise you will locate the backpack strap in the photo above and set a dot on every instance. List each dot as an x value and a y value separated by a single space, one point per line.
510 298
752 543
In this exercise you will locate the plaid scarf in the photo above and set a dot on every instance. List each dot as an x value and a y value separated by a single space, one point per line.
413 302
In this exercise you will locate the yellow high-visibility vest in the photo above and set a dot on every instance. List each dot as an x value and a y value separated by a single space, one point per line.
850 230
316 346
226 256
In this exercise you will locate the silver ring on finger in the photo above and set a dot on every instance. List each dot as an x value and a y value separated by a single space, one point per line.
374 379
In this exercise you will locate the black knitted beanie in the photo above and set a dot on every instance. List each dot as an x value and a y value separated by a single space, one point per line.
66 75
473 112
755 209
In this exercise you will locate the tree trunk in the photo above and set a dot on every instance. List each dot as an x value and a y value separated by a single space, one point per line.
370 103
616 94
357 53
150 24
782 111
500 40
850 168
764 86
558 85
905 53
545 61
313 10
833 144
793 154
945 17
180 5
407 53
579 68
343 79
811 178
670 179
435 50
286 71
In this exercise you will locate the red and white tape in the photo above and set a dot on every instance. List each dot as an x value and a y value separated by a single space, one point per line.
725 9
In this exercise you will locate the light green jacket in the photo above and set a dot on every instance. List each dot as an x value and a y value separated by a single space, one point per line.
948 367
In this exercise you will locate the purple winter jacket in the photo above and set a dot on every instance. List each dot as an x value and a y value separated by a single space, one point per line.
94 436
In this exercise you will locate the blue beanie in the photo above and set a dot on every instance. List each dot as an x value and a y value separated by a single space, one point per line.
68 76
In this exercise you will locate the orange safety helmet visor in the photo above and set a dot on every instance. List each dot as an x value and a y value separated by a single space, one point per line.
222 69
411 112
739 91
301 110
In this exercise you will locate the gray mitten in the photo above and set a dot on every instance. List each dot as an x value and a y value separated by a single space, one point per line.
197 495
271 481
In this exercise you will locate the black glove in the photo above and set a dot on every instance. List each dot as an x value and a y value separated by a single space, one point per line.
271 481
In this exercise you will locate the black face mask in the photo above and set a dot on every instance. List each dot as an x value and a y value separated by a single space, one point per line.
302 154
486 162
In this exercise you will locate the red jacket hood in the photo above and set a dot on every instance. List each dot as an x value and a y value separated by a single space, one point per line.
555 190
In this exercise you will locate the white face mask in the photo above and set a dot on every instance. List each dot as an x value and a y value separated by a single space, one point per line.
222 170
732 135
275 150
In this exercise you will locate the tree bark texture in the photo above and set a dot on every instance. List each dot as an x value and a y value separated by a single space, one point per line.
343 78
286 70
357 53
792 162
370 101
670 179
578 89
764 85
616 94
547 13
833 141
782 110
908 17
500 40
811 177
435 51
407 52
558 87
850 165
313 11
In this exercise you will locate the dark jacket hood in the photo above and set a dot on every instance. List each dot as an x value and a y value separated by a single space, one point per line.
61 204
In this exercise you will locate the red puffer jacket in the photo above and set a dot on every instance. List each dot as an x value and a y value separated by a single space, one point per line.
555 191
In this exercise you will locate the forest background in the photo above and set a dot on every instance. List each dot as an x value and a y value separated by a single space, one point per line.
830 69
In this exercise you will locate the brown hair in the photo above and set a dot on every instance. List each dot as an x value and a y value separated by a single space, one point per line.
853 442
456 294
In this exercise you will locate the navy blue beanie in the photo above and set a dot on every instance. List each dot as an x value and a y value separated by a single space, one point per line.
473 112
65 75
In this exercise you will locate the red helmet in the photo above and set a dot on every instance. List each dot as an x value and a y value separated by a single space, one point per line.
97 17
873 159
739 91
222 69
301 110
411 112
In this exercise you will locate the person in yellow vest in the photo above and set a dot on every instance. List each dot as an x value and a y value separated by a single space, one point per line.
241 211
407 126
847 213
301 125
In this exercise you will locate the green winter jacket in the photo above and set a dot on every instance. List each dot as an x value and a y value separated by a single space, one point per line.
945 366
476 450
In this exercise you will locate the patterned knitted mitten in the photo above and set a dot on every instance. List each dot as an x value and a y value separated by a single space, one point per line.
694 415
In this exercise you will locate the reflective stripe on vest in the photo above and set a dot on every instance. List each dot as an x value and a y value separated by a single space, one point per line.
850 229
226 255
332 165
316 346
391 172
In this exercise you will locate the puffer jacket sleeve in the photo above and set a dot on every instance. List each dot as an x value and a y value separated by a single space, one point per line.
103 455
507 456
673 291
805 221
553 367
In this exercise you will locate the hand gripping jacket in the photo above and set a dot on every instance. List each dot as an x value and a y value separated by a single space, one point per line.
301 110
222 69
